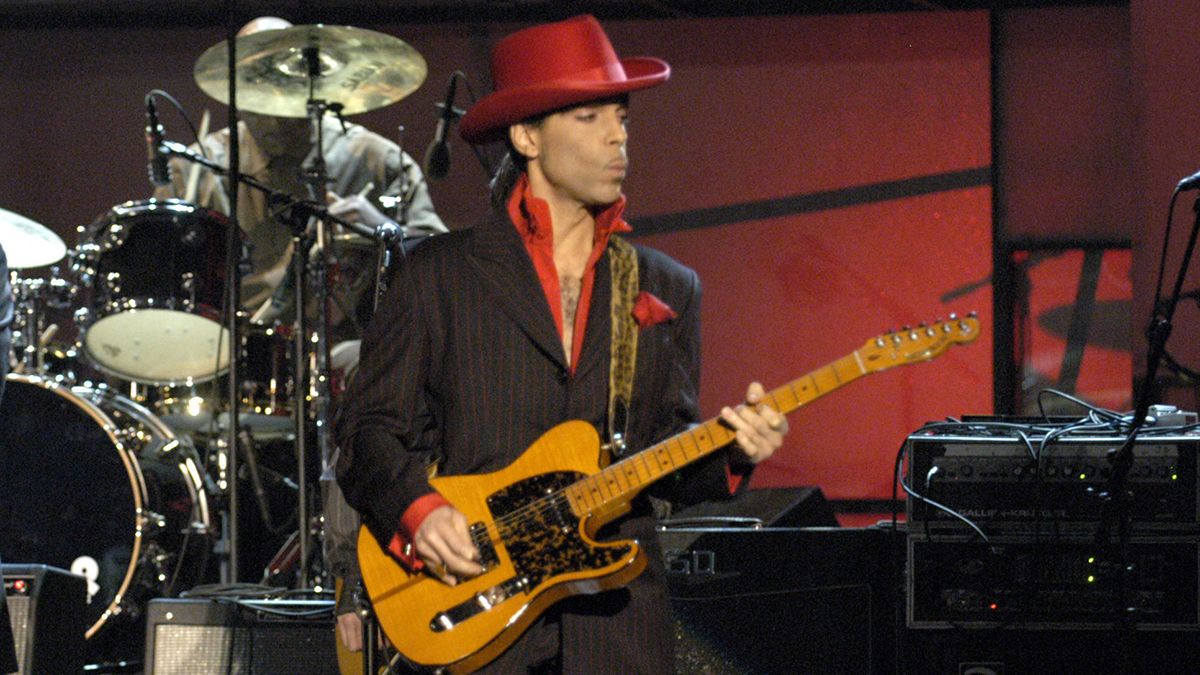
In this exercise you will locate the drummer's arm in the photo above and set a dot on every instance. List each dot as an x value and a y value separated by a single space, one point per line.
421 216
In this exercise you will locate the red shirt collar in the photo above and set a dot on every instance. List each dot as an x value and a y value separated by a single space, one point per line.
531 215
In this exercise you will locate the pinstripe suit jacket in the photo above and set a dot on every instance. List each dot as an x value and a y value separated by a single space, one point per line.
463 365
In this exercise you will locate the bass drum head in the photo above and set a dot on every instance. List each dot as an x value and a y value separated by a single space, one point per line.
94 484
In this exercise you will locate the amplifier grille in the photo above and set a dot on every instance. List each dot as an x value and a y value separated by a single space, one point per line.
18 615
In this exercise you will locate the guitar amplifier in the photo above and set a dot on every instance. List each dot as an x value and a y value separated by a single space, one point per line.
46 608
783 600
1007 485
1053 583
238 635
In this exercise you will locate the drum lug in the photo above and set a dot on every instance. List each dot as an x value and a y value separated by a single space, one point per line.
115 238
159 562
83 263
130 437
83 317
112 283
152 522
187 284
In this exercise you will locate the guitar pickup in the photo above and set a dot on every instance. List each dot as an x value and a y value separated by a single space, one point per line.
477 604
487 550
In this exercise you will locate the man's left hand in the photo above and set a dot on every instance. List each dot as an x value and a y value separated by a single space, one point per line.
759 427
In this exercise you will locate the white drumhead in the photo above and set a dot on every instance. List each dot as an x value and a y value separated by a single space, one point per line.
158 346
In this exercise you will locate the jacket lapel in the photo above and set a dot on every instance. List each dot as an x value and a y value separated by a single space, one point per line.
504 265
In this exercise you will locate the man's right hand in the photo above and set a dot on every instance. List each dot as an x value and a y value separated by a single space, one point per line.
444 543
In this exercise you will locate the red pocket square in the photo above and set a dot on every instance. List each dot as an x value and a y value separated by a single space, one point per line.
649 310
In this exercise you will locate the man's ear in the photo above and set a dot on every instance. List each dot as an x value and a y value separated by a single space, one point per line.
523 140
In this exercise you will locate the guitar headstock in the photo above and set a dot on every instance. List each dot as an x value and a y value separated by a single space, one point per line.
922 343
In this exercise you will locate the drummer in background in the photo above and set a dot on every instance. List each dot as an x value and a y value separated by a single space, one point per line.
362 166
8 651
273 150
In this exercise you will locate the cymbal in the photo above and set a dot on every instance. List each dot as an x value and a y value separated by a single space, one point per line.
359 69
28 244
1108 324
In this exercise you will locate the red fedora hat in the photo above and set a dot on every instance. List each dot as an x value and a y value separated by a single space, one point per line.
552 66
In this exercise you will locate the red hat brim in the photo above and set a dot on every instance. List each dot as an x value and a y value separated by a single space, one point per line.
488 119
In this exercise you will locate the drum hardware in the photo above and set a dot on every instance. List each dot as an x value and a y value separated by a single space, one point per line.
150 519
32 299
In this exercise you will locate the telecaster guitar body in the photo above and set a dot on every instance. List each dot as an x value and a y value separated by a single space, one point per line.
534 546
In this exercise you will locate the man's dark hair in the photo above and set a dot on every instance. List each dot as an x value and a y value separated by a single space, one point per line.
512 165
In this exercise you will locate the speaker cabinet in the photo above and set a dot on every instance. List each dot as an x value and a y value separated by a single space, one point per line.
784 600
243 636
1014 650
764 507
46 608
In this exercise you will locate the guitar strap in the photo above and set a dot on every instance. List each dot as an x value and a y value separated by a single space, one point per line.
622 264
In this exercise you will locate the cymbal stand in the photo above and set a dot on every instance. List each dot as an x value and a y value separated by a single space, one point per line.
317 380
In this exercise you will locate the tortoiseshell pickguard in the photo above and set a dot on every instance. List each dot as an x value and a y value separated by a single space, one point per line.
541 533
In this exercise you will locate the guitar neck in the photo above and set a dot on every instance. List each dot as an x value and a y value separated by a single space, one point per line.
621 480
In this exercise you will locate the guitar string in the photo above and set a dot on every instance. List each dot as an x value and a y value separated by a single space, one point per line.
540 506
703 437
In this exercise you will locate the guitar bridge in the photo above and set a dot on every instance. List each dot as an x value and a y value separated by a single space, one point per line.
479 603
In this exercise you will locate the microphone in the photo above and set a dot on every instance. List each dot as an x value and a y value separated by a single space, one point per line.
260 495
437 155
160 172
1192 181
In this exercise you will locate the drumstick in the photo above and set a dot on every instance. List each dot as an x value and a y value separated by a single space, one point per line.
367 189
47 335
193 179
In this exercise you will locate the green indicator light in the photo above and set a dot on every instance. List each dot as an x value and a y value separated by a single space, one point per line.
1091 559
1091 579
1083 476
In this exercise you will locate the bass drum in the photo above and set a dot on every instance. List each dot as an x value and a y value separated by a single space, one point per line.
93 483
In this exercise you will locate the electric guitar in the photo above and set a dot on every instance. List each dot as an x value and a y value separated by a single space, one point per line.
534 521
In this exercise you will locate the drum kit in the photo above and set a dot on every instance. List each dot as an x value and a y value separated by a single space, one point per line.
112 455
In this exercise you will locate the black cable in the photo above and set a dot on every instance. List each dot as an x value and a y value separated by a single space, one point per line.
1162 260
182 113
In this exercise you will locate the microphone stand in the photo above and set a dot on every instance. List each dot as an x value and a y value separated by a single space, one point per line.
1117 498
233 250
389 233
